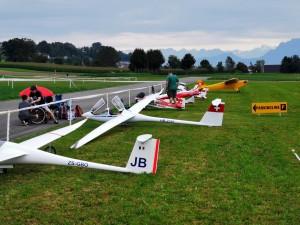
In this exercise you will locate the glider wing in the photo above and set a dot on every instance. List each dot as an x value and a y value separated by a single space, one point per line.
44 139
143 103
123 117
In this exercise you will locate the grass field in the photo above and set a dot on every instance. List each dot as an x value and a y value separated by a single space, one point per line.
241 173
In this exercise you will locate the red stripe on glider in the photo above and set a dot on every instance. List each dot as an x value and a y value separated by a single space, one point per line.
155 156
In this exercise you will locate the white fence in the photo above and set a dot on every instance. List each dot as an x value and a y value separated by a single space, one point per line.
71 101
10 81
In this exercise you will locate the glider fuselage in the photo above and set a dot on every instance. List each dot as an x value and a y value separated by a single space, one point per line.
142 118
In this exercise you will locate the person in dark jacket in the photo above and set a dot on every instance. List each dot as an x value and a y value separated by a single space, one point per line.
25 115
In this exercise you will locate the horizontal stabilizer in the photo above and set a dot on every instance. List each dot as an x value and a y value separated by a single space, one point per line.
9 153
190 100
214 114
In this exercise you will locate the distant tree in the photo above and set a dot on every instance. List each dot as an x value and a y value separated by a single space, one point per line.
44 47
204 64
107 56
187 62
154 59
260 65
19 50
57 49
290 64
94 49
138 61
242 67
58 60
40 58
229 64
86 61
0 51
286 63
70 50
73 60
124 57
220 68
173 62
295 67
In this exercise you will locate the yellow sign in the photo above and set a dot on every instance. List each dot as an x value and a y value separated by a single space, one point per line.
269 107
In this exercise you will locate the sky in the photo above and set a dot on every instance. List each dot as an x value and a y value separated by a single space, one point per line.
153 24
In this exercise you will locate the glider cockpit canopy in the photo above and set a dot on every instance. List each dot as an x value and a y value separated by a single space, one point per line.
98 105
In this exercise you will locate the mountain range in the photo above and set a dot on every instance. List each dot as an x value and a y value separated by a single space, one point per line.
271 55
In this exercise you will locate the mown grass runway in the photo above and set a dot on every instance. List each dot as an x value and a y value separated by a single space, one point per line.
241 173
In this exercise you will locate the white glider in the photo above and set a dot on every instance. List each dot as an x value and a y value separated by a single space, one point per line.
143 158
213 117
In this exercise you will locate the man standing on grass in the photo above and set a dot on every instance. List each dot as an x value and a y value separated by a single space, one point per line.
171 87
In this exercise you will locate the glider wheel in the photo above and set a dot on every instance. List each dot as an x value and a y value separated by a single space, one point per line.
3 171
50 149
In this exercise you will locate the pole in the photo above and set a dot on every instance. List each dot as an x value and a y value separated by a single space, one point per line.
129 98
70 112
7 129
106 100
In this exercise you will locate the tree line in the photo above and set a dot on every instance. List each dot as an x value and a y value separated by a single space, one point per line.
26 50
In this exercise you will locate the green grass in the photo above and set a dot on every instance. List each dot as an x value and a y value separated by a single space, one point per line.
241 173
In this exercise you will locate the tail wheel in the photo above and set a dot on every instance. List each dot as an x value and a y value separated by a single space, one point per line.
50 149
40 115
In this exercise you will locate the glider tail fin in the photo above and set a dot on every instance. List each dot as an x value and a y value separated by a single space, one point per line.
214 114
144 156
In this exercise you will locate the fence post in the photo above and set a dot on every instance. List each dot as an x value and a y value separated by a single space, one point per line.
129 97
12 84
106 100
8 125
70 83
70 111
